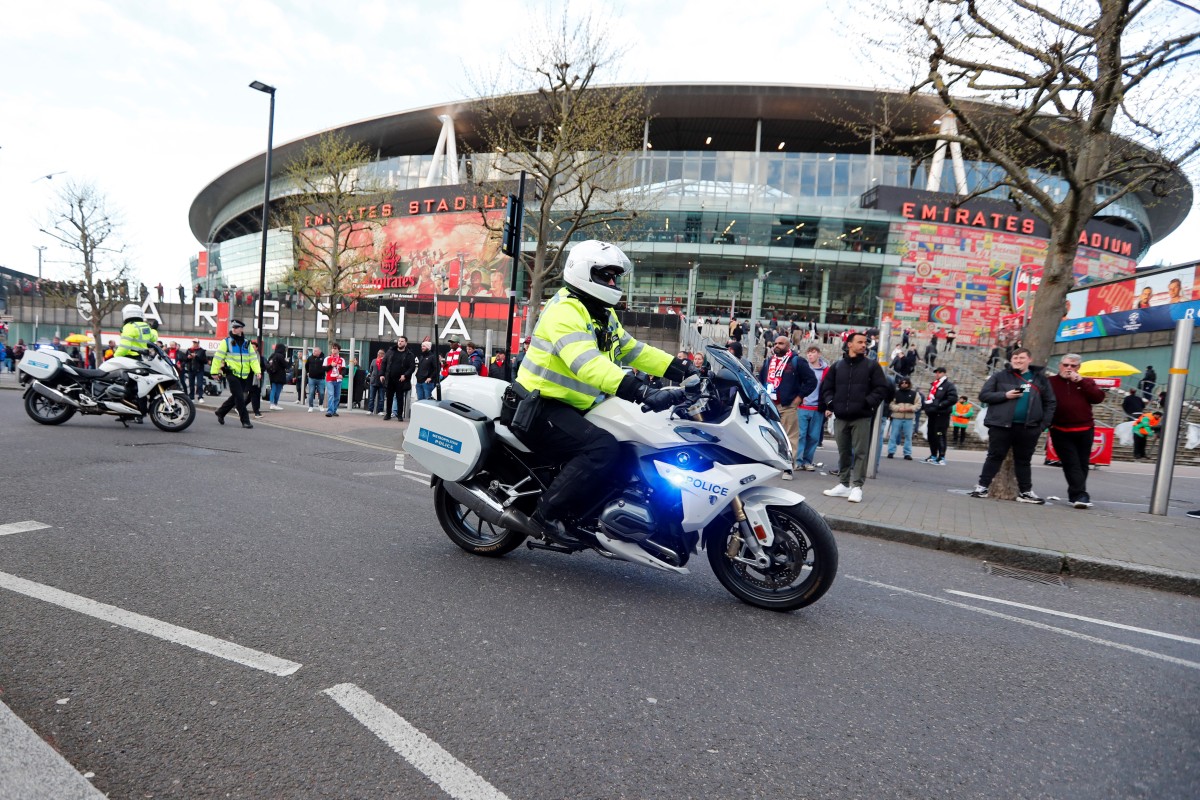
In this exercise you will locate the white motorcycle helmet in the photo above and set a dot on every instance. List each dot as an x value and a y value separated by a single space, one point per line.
131 311
596 268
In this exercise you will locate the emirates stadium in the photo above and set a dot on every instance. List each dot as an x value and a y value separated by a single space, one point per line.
757 198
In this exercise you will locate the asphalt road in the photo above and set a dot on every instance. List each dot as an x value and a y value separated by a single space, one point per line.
425 672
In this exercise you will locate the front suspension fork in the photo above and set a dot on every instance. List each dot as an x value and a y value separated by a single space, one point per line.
745 536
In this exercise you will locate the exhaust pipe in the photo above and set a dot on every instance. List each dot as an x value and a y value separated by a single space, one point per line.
490 511
53 394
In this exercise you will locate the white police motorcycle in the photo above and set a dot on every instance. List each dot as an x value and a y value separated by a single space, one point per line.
127 388
691 480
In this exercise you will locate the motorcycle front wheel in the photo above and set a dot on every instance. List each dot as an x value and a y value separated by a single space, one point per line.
46 411
174 418
469 531
803 561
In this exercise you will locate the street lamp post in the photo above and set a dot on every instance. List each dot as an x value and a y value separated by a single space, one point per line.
262 269
39 248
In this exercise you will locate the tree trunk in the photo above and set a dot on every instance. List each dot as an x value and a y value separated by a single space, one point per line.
1004 485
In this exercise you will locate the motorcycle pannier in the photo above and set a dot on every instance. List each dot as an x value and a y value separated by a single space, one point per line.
449 439
41 364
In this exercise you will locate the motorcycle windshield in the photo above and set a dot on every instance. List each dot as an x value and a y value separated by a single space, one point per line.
730 368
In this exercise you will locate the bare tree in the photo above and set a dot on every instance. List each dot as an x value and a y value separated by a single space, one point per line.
81 223
571 136
1090 95
332 236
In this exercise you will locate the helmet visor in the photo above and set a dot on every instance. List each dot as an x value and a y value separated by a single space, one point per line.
609 275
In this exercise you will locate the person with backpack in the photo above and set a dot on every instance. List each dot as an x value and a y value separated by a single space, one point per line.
277 367
789 379
476 359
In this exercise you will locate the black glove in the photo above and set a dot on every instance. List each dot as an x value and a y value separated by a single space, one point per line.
679 370
661 399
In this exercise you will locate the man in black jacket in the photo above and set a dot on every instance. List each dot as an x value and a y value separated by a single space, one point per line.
789 379
1021 405
851 391
314 370
398 367
429 370
938 403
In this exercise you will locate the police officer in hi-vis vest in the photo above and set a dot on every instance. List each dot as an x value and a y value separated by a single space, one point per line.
572 361
238 359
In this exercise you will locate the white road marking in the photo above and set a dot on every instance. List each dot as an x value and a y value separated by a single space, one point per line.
1039 625
455 778
1123 627
401 468
22 527
154 627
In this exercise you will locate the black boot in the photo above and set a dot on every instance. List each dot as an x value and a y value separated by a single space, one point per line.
554 530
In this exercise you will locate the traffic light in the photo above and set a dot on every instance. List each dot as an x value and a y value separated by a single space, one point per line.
511 246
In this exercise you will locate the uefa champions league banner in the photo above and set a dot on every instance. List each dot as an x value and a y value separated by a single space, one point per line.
1139 320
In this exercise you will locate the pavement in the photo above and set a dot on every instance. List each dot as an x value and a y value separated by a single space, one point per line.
908 502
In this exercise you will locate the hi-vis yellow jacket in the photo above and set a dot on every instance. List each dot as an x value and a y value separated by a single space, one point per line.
573 360
134 338
239 359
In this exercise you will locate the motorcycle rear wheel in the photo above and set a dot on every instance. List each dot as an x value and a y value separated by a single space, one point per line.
172 421
470 532
804 561
46 411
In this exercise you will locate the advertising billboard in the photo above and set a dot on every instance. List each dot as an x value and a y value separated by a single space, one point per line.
438 241
1149 302
954 276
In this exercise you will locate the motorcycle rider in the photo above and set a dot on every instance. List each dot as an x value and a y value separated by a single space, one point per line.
572 361
238 359
136 334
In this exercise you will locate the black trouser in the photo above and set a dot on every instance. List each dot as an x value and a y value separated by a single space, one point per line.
1074 450
960 435
937 425
255 392
1139 446
1023 441
239 394
563 429
395 386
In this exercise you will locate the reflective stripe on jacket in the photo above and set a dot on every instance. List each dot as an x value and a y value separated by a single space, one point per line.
134 338
239 359
566 361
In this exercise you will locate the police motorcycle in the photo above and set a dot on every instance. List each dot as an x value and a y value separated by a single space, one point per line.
692 480
127 388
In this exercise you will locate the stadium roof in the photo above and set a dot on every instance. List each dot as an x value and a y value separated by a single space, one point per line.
683 116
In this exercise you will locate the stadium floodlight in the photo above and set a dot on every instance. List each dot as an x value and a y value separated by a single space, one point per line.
262 269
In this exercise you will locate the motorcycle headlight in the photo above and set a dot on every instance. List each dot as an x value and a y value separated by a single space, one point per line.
774 435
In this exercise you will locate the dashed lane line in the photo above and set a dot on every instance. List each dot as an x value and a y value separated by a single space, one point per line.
148 625
1039 625
22 527
455 778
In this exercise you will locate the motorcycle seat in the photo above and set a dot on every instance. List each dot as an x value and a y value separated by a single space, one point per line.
92 373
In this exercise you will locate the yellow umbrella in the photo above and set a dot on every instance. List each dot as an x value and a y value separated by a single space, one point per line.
77 338
1106 368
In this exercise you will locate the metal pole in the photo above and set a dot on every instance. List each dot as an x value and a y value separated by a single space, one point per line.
512 284
39 248
1168 434
884 347
262 268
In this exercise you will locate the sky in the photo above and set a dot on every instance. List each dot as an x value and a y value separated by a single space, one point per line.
150 100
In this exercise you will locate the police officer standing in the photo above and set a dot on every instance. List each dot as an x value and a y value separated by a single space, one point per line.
238 360
572 362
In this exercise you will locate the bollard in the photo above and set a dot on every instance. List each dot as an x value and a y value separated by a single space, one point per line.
1168 434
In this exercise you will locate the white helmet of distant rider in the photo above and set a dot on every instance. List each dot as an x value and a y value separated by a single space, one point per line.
131 312
596 269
